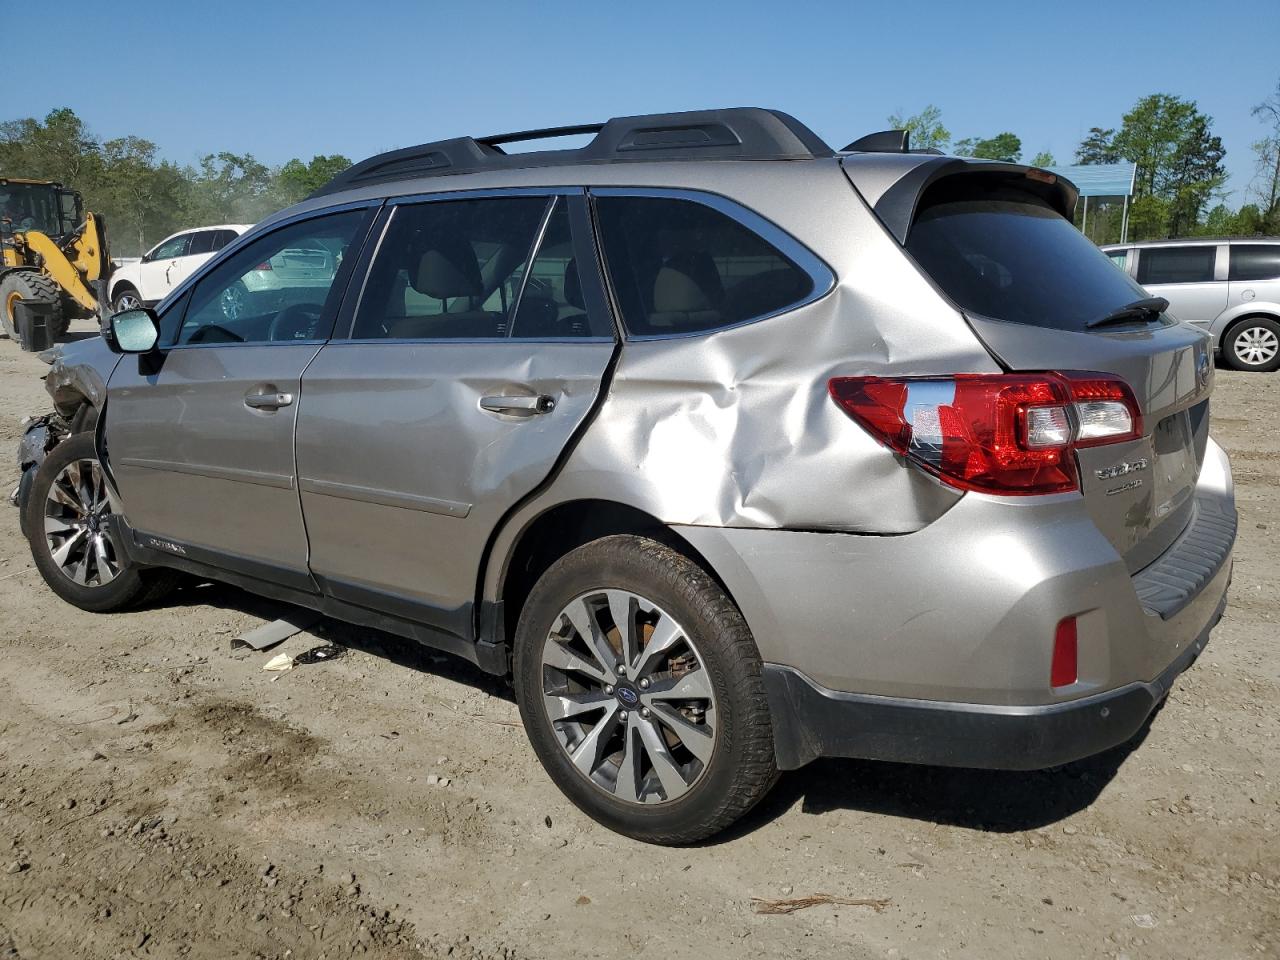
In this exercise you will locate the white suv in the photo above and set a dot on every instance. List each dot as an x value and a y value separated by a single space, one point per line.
135 283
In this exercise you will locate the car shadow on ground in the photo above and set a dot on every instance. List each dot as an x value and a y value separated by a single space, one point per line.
999 801
398 650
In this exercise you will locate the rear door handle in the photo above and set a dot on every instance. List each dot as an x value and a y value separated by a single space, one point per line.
267 401
540 403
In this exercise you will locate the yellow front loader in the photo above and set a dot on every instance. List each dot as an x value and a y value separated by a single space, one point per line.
50 250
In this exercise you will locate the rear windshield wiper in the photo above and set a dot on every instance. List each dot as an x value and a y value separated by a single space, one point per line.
1139 309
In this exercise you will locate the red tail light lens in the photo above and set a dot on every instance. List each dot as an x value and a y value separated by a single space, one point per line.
1064 669
264 265
1009 434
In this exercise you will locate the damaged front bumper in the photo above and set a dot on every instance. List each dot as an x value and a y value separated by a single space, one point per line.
39 436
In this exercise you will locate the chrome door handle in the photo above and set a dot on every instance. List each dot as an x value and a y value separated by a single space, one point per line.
540 403
267 401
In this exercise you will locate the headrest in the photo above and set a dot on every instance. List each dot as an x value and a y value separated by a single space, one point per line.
687 282
448 268
573 285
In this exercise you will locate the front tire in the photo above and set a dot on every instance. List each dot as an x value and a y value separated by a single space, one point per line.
72 542
126 298
1253 344
641 691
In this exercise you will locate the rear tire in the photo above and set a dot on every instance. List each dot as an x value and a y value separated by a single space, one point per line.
30 285
673 742
1253 344
73 549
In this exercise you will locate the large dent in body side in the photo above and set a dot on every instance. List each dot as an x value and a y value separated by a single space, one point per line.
736 428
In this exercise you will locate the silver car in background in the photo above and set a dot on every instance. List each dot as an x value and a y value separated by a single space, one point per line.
1228 287
731 449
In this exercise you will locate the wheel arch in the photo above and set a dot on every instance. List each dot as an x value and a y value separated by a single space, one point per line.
1266 309
549 535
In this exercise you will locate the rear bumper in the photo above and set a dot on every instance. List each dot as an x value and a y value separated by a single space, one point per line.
811 721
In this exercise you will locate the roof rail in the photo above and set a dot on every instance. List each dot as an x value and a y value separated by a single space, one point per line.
737 133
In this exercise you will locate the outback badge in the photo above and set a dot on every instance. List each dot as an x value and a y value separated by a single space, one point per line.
1121 469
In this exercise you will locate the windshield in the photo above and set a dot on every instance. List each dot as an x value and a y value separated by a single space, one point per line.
29 206
1007 254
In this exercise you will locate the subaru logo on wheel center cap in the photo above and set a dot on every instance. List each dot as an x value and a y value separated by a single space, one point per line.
628 696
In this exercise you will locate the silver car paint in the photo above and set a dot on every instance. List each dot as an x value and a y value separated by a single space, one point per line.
730 439
194 464
962 610
403 476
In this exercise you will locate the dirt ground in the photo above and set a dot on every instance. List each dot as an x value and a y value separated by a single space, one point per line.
162 796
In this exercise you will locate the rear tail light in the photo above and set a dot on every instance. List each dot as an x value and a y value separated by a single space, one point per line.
264 265
1064 669
1009 434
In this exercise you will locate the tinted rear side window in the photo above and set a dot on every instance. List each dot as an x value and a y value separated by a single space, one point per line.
1007 254
1255 261
202 242
678 266
1176 264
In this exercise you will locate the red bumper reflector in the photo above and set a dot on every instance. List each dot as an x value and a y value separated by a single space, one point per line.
1065 669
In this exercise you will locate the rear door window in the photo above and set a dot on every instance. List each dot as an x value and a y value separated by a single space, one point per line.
1255 261
202 242
1176 264
449 270
678 266
1006 253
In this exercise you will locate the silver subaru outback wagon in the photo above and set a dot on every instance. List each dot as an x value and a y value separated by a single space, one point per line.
731 449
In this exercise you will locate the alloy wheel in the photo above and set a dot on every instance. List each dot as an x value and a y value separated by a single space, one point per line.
628 697
1256 346
76 530
127 301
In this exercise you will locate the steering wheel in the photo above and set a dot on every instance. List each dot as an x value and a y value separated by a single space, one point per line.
298 321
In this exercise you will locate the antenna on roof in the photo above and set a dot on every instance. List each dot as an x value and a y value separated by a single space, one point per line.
886 141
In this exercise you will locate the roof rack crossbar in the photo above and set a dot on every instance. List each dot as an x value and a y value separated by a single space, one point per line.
546 133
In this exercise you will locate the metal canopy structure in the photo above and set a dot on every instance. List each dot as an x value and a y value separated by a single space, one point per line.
1102 180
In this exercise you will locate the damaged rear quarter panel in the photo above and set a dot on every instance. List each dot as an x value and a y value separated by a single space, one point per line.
736 428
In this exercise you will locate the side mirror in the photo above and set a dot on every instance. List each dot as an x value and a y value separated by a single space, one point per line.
133 331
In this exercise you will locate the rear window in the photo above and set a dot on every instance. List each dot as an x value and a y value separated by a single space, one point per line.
678 266
1255 261
1176 264
1007 254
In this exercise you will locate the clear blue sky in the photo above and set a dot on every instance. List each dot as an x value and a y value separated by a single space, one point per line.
283 79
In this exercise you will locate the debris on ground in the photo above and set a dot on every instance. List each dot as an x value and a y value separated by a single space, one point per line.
320 654
279 663
277 631
761 905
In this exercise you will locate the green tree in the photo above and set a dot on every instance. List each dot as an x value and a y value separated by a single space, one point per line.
1003 146
1098 147
140 196
59 148
1179 162
228 188
297 179
1195 174
1043 159
925 127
